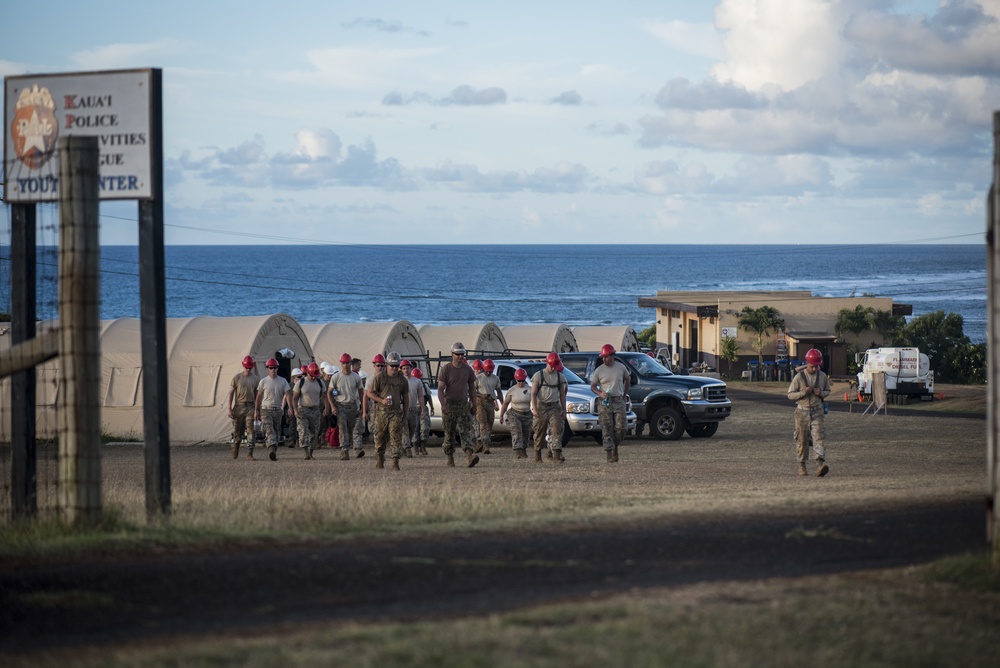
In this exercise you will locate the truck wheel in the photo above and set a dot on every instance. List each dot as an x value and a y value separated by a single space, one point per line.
566 435
667 424
705 430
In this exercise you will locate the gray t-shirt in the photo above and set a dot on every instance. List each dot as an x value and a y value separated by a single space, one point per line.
611 378
548 384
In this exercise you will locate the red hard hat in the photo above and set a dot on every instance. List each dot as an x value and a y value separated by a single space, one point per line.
406 363
559 367
814 357
477 365
488 366
304 368
553 359
378 359
345 359
313 369
248 362
607 349
520 374
271 362
416 373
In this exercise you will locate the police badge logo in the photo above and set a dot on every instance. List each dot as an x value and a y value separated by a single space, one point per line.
34 129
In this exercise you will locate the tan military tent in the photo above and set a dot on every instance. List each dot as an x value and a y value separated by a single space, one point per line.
486 338
622 337
364 340
203 356
540 338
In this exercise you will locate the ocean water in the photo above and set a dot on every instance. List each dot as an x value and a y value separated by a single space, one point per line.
510 284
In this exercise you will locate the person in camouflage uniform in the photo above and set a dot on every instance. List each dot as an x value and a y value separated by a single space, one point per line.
239 406
390 393
610 381
346 394
456 391
548 406
516 410
488 399
307 400
809 389
272 393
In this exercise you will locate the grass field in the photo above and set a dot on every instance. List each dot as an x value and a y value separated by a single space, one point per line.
942 614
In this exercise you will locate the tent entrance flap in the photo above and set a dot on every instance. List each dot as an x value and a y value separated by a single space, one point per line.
202 383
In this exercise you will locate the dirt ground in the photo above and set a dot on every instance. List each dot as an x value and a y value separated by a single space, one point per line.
904 489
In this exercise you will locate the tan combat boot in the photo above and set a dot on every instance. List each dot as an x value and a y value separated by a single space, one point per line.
519 453
611 457
236 449
471 459
616 453
379 460
538 456
558 457
802 469
548 454
821 468
345 455
272 453
451 460
395 463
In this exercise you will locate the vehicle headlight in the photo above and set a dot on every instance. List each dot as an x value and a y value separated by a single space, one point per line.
577 408
694 394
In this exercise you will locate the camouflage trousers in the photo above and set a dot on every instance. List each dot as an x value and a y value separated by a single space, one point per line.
243 424
456 424
347 419
389 426
308 423
359 433
271 419
809 426
550 419
613 423
520 428
485 413
412 427
425 427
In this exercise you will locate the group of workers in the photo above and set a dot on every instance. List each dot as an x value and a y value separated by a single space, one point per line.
397 405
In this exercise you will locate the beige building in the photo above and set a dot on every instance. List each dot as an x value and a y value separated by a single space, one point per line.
692 325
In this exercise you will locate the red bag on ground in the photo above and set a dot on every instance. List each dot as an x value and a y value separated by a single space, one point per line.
332 437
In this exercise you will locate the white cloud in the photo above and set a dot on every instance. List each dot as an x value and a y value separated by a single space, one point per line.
698 39
778 42
929 205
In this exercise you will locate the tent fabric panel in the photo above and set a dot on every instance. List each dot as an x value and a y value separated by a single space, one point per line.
364 341
540 338
622 337
438 339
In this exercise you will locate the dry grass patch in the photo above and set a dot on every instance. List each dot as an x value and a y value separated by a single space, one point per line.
747 468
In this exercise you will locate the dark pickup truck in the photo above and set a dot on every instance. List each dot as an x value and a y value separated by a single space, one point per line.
671 404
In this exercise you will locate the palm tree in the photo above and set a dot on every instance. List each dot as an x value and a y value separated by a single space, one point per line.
855 322
760 321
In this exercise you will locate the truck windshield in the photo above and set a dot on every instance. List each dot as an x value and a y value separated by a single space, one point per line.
644 365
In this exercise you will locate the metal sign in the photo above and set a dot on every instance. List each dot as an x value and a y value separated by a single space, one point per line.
117 107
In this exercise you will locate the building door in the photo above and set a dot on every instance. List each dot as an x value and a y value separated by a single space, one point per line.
695 356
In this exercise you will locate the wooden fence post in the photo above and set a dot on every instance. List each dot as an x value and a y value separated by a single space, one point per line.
79 409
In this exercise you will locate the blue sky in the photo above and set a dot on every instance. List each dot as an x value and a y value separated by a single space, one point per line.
740 121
